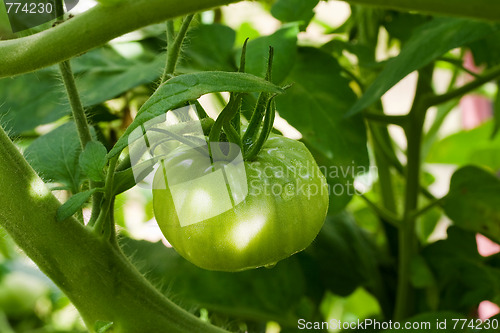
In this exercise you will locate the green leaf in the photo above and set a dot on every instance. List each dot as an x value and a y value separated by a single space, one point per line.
428 221
101 84
364 53
284 42
426 44
421 275
210 48
261 294
93 160
316 105
473 202
358 305
103 326
401 25
54 156
487 50
464 279
343 256
246 30
31 100
73 204
474 146
294 10
496 112
182 88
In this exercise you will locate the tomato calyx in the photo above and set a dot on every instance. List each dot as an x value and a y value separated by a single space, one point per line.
228 125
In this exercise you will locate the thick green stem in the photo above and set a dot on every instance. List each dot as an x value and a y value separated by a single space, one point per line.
408 243
89 30
407 239
174 48
94 274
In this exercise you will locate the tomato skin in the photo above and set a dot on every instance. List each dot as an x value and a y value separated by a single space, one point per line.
283 212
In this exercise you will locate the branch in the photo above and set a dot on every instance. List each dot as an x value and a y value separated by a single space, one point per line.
425 209
458 63
486 77
382 212
89 30
399 120
478 9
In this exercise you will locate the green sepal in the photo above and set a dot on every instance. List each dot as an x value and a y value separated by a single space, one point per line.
267 127
250 136
225 116
176 91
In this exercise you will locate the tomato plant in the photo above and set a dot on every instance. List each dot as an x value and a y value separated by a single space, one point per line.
336 165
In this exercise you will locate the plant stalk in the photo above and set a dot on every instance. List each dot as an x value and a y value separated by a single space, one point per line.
174 48
81 124
467 88
408 242
76 103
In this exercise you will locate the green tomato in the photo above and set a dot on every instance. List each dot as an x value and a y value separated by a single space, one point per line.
209 221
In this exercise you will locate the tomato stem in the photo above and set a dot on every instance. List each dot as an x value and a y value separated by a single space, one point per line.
75 103
408 243
170 32
82 126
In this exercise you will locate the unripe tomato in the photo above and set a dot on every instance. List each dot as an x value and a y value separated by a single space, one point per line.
282 213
